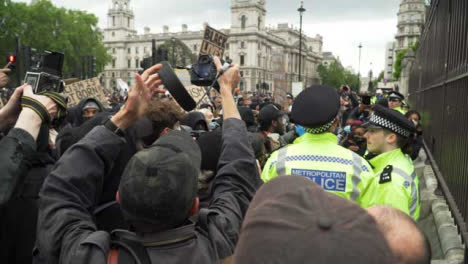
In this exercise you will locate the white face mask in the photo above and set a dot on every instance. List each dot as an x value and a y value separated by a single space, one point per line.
415 122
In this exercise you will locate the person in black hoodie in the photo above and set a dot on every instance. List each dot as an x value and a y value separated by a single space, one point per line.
84 111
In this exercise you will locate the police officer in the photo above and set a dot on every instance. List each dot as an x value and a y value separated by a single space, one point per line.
395 182
395 101
316 154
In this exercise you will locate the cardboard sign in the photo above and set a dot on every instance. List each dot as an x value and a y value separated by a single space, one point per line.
85 89
214 42
196 92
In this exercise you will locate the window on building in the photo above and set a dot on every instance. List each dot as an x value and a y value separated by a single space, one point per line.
144 49
259 61
243 22
113 51
129 50
259 22
113 21
128 22
129 63
113 34
242 44
195 47
227 45
137 63
242 60
113 63
113 75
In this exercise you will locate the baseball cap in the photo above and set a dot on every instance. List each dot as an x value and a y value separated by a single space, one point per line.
91 104
159 184
269 113
293 220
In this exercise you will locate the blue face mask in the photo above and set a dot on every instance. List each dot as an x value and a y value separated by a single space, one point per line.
347 129
213 125
300 130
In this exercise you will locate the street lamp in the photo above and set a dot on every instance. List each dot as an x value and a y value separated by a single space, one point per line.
173 51
359 70
301 10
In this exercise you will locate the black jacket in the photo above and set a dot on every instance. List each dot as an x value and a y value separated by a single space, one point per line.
68 234
13 164
20 215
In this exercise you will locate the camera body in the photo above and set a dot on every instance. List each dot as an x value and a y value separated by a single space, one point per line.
46 75
204 72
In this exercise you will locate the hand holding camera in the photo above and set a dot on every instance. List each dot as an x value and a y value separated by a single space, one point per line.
229 78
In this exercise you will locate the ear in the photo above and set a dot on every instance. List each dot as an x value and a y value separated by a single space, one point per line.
195 206
274 123
392 139
117 197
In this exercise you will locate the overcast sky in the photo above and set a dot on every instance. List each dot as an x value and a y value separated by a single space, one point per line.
342 23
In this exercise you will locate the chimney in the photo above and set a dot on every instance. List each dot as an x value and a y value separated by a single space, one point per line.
184 28
165 29
147 30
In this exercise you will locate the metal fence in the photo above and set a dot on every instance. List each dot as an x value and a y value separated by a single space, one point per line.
439 90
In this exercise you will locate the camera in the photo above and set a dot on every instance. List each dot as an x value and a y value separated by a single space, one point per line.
204 72
46 75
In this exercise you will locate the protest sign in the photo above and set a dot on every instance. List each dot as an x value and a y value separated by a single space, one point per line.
214 42
85 89
196 92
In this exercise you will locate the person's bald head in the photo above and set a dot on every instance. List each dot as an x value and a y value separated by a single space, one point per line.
406 240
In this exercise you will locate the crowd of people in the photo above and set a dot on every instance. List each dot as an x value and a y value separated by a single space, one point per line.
323 177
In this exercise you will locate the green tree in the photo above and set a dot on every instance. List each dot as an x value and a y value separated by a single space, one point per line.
336 75
399 60
45 27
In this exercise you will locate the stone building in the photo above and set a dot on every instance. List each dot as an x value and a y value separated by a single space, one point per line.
264 53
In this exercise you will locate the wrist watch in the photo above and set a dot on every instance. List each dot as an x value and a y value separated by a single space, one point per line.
113 128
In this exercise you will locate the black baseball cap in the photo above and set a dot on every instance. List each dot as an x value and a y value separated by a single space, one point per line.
159 184
269 113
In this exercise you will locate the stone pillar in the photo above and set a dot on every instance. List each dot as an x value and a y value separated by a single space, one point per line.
406 65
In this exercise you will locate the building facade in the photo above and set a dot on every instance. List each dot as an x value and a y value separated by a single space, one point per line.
411 19
264 53
389 61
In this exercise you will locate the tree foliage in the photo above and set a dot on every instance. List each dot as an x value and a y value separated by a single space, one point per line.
45 27
336 75
399 60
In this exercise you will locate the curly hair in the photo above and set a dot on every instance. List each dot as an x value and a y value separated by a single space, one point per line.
164 113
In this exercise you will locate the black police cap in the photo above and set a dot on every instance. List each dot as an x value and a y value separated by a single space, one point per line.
392 120
395 94
316 106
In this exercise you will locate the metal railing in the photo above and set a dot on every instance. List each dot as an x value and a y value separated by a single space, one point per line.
439 90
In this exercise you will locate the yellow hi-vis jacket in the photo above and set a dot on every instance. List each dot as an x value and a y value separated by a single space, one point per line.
395 183
319 158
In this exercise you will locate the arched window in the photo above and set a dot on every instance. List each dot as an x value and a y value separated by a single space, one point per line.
243 22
